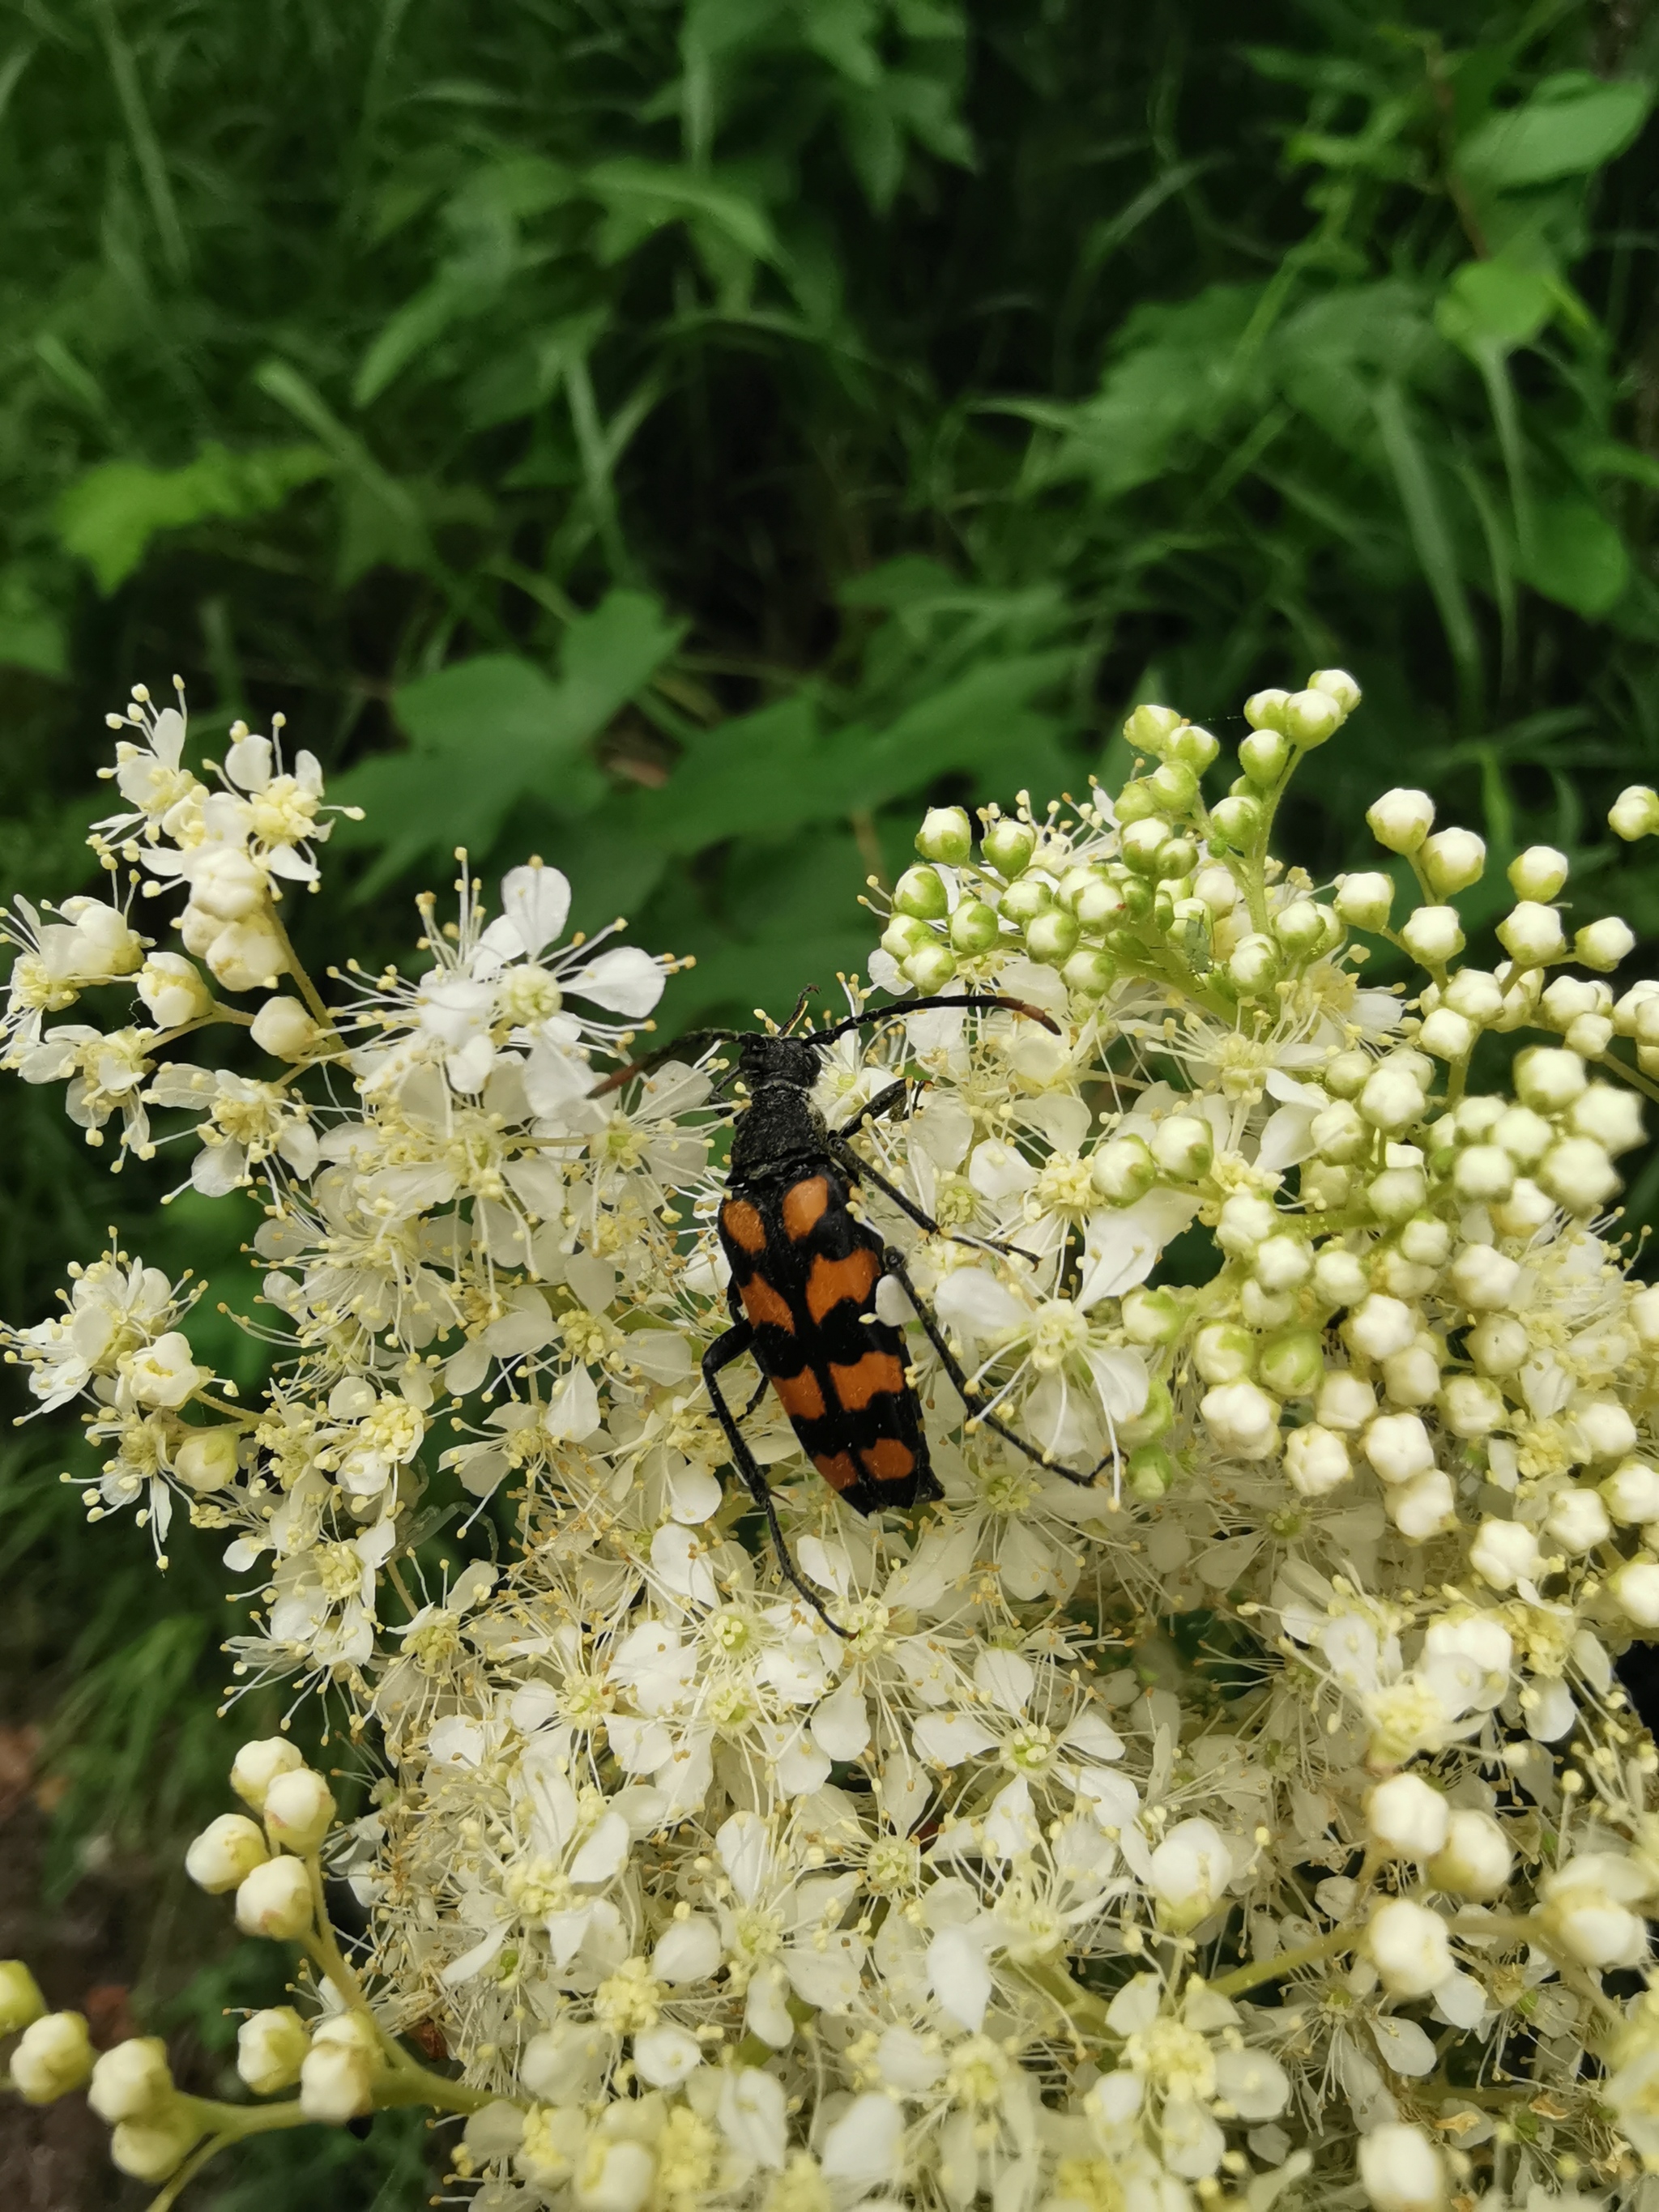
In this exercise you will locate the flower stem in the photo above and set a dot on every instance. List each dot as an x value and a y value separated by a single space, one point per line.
1286 1962
308 990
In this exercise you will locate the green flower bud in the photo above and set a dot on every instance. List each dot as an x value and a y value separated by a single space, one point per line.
1308 718
1176 858
920 892
1052 938
20 2001
1100 903
1138 898
1451 861
1401 819
1224 1352
904 935
1635 813
1184 1145
1299 928
1007 845
974 926
1538 873
1122 1169
1022 902
1236 824
930 969
1263 709
1292 1365
1157 1416
946 834
1143 841
1194 747
1264 757
1149 729
1340 685
1175 786
1136 801
1347 1073
1153 1316
1090 972
1149 1472
1163 909
1363 901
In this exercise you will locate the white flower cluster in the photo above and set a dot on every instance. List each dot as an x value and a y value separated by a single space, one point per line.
1234 1801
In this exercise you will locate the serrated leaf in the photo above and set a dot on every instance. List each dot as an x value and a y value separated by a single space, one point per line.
109 516
1569 127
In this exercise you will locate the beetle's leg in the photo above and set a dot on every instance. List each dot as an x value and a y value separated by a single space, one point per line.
862 1171
720 1354
876 1108
894 1262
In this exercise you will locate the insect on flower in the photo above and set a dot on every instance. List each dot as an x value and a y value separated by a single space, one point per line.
805 1271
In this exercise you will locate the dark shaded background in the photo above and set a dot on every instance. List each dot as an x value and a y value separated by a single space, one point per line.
682 439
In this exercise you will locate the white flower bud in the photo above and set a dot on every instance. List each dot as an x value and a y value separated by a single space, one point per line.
270 2049
1531 934
132 2080
1308 718
1223 1351
1634 813
1007 845
20 2001
1548 1078
1498 1344
1345 1401
1401 819
1525 1136
1476 1860
1643 1312
1363 901
1590 1035
616 2177
199 930
1293 1363
904 936
1408 1945
152 2148
1484 1279
1538 873
1341 1133
1472 1407
1190 1874
1282 1263
205 1458
1433 935
1122 1169
1264 755
946 834
1451 861
1316 1461
1340 1277
1579 1174
1447 1035
283 1028
1397 1445
224 881
1247 1219
975 927
247 956
225 1853
1602 945
1340 685
1392 1099
1475 994
1254 965
1586 1906
1484 1172
1631 1492
1578 1520
1264 710
170 986
1505 1552
54 2054
1401 2170
336 2077
1049 937
1424 1507
1407 1817
275 1900
1380 1326
257 1766
1609 1114
1412 1377
1600 1428
1635 1590
1394 1196
920 892
1183 1145
1090 972
299 1810
1242 1419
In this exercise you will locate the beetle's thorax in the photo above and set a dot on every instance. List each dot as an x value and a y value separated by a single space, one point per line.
779 1128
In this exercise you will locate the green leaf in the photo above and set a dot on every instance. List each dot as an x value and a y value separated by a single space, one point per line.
1426 519
1569 127
640 196
1579 559
485 731
109 516
1494 304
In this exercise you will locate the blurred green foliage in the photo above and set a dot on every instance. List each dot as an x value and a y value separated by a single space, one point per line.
681 436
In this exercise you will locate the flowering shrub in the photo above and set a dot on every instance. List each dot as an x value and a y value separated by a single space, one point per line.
1263 1815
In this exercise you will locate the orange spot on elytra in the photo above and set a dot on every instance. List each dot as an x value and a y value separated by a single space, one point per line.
799 1395
888 1461
743 1225
804 1208
873 1377
833 1281
762 1303
838 1472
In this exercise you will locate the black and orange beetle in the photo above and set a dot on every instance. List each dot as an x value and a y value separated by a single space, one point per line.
804 1270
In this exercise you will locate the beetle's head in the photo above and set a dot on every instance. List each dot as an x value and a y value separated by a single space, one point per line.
766 1061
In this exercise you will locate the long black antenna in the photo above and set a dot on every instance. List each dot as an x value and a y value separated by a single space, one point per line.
975 1001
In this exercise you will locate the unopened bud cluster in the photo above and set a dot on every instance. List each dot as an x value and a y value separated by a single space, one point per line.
1224 1796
